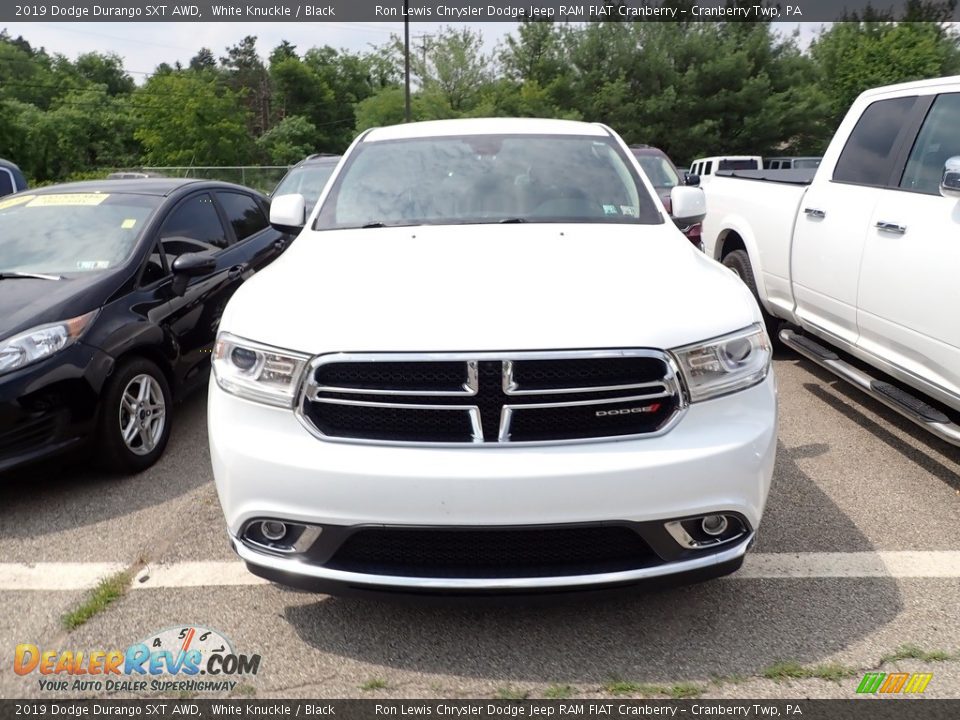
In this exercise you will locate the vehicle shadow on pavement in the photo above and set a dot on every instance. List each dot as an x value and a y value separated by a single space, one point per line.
71 492
718 628
927 446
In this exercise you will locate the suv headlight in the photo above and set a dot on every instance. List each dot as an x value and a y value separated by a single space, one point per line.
725 364
257 372
40 342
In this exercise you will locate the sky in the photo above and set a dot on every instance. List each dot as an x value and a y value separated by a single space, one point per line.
145 45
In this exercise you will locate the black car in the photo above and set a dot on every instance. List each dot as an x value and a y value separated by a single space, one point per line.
11 179
308 178
110 297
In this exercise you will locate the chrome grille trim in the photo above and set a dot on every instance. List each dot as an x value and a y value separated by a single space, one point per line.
670 386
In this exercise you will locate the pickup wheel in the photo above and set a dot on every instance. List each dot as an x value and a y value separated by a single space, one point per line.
739 262
134 423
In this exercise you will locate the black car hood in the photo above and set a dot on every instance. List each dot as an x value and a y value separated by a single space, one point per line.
28 302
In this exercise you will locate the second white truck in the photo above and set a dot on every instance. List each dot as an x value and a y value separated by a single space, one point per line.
861 258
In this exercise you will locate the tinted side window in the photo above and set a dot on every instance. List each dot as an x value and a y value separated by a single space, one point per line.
709 167
196 219
244 213
867 157
937 142
6 182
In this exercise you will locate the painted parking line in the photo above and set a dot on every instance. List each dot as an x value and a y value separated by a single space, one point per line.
758 566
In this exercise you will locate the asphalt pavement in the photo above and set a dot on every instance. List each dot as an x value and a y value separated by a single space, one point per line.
856 569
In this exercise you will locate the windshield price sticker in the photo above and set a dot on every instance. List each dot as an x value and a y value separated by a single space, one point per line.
68 199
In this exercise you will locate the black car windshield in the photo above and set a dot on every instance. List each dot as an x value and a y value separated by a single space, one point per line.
70 232
659 170
308 180
459 180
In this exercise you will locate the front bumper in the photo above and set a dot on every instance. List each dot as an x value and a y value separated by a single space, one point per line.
718 459
50 406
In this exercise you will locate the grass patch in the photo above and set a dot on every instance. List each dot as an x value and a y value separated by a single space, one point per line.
559 692
622 687
912 652
685 690
374 684
784 670
509 693
108 591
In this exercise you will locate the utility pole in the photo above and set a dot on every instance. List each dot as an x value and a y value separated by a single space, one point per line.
406 62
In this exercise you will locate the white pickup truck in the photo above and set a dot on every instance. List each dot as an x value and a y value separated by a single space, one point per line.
862 261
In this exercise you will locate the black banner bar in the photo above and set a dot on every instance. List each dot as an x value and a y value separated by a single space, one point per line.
452 11
873 708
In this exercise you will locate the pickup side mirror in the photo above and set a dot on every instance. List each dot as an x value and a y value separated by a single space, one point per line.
950 183
190 265
689 205
288 213
691 180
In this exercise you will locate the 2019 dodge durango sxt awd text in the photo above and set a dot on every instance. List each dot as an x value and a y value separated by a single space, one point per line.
485 366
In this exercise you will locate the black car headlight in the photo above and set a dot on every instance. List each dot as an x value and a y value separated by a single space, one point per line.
42 341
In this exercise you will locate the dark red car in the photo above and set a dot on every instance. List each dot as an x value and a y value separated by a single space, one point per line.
664 175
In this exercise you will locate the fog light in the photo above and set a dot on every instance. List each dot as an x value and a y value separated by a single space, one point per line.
712 525
273 530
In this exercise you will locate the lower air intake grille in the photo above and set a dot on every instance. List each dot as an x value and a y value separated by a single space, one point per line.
493 553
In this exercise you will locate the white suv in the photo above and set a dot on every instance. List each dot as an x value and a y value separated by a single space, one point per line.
485 365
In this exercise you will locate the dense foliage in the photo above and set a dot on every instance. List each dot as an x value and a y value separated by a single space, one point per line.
690 88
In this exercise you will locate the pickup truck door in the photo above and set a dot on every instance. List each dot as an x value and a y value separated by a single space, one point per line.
831 227
909 285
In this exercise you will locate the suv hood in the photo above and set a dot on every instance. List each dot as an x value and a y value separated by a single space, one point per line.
490 287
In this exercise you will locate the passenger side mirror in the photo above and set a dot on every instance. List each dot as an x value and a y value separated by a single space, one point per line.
689 205
190 265
288 213
691 180
950 183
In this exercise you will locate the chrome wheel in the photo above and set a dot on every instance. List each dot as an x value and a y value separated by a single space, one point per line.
143 414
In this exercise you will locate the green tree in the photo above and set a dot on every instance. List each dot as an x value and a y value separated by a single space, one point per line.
289 141
189 119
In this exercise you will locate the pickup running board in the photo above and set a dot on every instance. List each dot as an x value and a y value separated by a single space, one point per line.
910 406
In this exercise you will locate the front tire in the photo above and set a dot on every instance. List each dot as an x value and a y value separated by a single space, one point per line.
134 423
739 263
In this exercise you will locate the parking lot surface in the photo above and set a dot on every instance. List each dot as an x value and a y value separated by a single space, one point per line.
856 569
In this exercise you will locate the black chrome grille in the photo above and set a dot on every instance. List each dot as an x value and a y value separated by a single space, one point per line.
493 552
491 398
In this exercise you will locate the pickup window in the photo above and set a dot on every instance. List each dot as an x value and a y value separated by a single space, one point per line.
868 156
937 142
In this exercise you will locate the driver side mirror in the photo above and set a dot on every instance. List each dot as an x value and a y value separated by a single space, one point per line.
689 205
288 213
950 182
691 180
191 265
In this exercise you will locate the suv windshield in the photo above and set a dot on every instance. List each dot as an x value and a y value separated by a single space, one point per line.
459 180
308 180
659 170
70 232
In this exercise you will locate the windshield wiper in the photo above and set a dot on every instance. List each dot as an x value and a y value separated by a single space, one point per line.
374 224
507 221
35 276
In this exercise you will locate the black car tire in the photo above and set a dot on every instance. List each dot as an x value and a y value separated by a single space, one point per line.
114 452
739 262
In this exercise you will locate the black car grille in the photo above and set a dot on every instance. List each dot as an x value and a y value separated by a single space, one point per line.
493 552
486 399
28 435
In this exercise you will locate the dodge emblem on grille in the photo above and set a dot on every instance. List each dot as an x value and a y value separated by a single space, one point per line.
629 411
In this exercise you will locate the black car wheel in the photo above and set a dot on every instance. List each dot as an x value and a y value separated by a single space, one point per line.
739 262
134 418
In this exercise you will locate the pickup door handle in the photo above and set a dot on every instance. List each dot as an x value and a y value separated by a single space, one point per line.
814 213
892 228
236 271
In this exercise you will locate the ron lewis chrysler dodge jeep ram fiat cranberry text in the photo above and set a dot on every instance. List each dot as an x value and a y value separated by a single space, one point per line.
485 365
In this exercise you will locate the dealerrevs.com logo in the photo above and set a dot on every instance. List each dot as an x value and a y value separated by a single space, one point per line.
177 659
